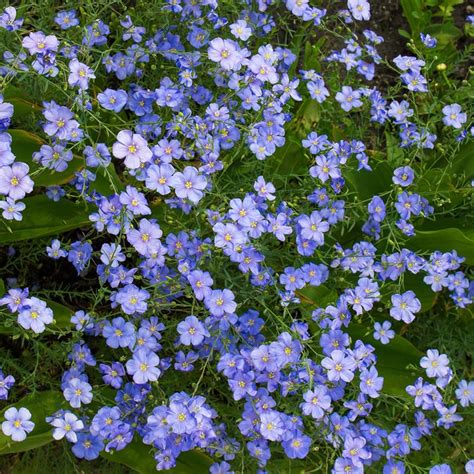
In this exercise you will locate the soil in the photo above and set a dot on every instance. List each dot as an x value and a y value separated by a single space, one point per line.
386 20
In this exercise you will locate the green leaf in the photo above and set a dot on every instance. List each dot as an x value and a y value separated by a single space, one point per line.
317 296
24 144
43 217
393 359
395 154
288 161
445 33
62 315
306 118
136 455
40 405
422 291
447 6
404 33
444 240
311 59
107 181
369 183
463 223
139 457
463 162
23 104
416 14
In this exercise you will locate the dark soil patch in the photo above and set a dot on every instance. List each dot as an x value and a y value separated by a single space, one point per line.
386 20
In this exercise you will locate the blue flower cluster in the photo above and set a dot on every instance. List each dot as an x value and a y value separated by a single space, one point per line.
298 376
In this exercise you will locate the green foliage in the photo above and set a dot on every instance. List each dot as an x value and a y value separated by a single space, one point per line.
317 296
444 240
24 105
422 291
43 217
443 175
397 361
41 405
24 144
369 183
433 17
288 162
138 457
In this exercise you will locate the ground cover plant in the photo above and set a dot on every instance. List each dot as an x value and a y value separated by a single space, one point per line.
236 236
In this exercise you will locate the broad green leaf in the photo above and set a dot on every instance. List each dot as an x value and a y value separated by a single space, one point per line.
317 296
395 154
444 183
23 108
41 405
463 162
23 104
296 466
464 223
416 14
423 291
444 240
62 315
192 462
311 59
289 160
24 144
393 359
306 118
437 181
43 217
445 33
136 456
107 181
369 183
139 457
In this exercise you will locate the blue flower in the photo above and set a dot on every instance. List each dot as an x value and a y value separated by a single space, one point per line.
143 366
66 19
67 425
111 99
317 402
297 445
6 383
87 446
119 333
360 9
77 392
383 333
405 306
454 116
370 382
339 366
17 423
192 331
271 425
